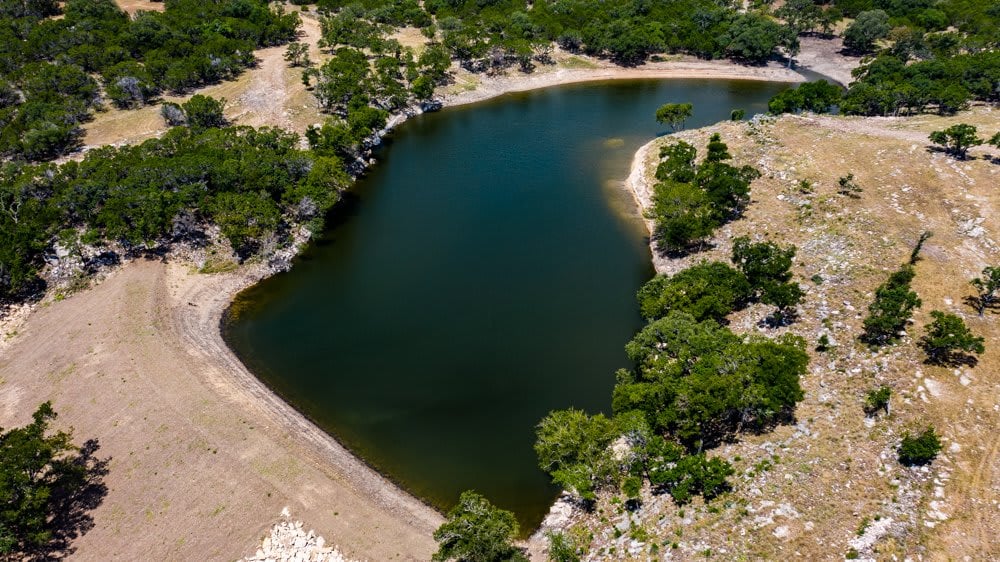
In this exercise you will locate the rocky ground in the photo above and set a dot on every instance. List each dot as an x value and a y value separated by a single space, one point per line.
829 485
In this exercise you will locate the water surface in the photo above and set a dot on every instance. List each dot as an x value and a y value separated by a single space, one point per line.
481 275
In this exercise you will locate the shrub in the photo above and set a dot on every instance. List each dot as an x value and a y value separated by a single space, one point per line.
878 400
891 310
919 450
204 112
172 114
476 530
957 139
948 340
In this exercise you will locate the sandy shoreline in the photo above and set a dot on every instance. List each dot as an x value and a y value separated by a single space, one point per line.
204 456
686 68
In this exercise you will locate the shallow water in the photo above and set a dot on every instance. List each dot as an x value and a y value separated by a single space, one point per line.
481 275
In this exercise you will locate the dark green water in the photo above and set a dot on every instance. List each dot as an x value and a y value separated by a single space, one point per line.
481 275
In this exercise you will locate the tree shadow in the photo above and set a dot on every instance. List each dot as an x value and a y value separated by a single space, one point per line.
71 505
779 319
952 359
675 253
976 303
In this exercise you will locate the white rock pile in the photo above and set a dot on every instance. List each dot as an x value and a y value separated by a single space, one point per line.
288 542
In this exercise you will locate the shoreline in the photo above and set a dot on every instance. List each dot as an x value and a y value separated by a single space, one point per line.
197 327
687 68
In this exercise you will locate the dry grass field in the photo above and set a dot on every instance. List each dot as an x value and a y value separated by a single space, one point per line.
830 485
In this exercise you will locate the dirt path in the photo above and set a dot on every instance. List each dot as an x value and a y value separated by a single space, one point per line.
204 457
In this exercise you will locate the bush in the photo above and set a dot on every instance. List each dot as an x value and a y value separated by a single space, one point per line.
172 114
919 450
948 340
957 139
692 475
476 530
204 112
878 400
562 548
891 310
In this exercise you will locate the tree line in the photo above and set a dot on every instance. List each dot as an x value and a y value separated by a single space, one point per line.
254 184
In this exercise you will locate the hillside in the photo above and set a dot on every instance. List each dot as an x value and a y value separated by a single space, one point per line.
829 485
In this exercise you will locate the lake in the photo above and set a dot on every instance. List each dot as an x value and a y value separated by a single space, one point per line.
482 274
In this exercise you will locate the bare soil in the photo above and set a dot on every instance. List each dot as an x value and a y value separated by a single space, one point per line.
203 456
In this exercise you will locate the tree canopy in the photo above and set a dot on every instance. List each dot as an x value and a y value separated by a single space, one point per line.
47 487
477 531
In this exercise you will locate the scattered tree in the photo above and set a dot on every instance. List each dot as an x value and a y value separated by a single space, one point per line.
297 54
957 139
204 112
819 97
891 310
767 268
674 114
47 487
948 340
737 114
919 450
867 28
476 531
987 287
995 140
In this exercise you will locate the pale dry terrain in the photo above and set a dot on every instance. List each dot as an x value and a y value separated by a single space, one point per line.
204 458
831 483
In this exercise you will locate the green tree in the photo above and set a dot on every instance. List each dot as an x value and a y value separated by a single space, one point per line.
995 140
767 268
948 340
693 475
867 28
737 114
919 450
574 448
204 112
47 487
701 383
878 400
800 15
891 310
987 287
674 114
297 54
477 531
684 215
957 139
708 290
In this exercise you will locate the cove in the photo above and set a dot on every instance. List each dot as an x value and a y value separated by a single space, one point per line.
482 274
